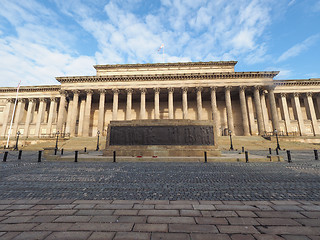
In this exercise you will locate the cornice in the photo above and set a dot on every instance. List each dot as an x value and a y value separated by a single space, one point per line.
298 82
168 77
165 65
32 88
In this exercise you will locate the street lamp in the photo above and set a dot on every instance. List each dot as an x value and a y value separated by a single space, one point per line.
16 147
98 141
231 145
56 148
278 145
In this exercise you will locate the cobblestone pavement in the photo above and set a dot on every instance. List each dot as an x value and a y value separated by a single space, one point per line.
28 179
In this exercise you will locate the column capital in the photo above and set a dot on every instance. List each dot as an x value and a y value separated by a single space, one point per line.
227 88
21 100
115 90
10 100
63 92
32 99
243 87
296 94
271 87
199 89
43 99
257 87
309 94
88 91
170 89
184 89
213 88
102 90
143 90
53 99
283 94
75 92
156 90
129 90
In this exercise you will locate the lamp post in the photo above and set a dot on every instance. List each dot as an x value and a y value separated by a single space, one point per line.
231 145
278 145
98 141
16 147
56 148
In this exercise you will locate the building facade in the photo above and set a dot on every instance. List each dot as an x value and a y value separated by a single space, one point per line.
245 103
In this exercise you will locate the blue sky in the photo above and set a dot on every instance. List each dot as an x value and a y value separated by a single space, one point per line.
43 39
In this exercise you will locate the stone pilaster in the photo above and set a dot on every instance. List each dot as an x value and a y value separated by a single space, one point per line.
313 116
129 104
199 102
156 103
185 102
87 114
42 106
285 112
115 104
6 115
229 109
143 103
170 102
244 112
102 100
75 111
18 116
30 112
53 104
299 113
61 112
273 109
257 104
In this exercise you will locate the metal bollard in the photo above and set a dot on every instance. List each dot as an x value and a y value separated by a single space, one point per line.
242 149
205 157
75 156
85 149
277 151
5 155
114 156
55 151
39 156
316 157
246 155
270 151
61 151
20 153
289 156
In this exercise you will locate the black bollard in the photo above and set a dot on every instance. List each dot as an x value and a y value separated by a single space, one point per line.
55 151
61 151
75 156
289 156
39 156
242 149
270 151
114 156
246 155
85 149
20 153
5 155
277 151
316 157
205 157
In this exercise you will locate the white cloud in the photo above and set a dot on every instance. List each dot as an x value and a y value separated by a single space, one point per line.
316 7
298 48
291 2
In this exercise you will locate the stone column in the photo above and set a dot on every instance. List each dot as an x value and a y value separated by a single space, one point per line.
264 111
87 113
69 116
257 104
143 103
170 102
273 109
81 116
51 114
102 101
299 113
156 103
185 102
229 109
285 111
29 116
115 104
42 106
253 126
6 114
129 104
61 112
313 116
17 117
74 113
214 109
199 102
244 112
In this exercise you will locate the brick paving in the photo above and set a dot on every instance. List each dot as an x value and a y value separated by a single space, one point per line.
102 200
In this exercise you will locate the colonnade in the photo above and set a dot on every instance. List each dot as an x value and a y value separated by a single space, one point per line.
71 112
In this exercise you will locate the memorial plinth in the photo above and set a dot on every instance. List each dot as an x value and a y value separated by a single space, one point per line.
161 138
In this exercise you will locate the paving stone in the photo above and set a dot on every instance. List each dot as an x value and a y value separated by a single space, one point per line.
219 213
69 235
26 201
191 213
126 212
234 202
287 208
242 221
159 212
2 207
309 222
10 235
267 237
203 207
191 228
153 202
43 219
132 236
242 237
211 220
19 207
246 214
181 220
277 222
311 214
85 206
101 236
17 219
143 206
64 206
2 213
107 227
237 229
52 227
83 201
275 214
73 219
184 202
206 202
308 207
55 212
285 202
16 227
295 237
293 230
264 207
132 219
236 207
126 202
104 219
31 235
152 227
173 206
114 206
170 236
55 201
93 212
43 207
22 213
205 236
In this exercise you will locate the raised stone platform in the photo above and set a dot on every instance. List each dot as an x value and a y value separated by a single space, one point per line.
161 138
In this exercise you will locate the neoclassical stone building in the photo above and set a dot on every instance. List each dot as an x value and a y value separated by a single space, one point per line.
247 103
